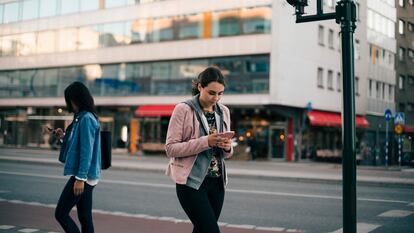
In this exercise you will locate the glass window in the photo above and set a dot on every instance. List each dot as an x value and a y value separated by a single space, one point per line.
331 39
190 26
139 31
338 81
46 42
257 65
401 25
401 80
401 54
89 5
330 79
320 77
114 3
411 54
9 45
163 29
30 9
68 39
228 66
370 88
69 6
321 35
113 34
410 27
11 12
160 70
391 92
1 13
256 20
27 44
226 23
48 8
357 49
356 85
401 3
139 74
67 75
370 19
88 37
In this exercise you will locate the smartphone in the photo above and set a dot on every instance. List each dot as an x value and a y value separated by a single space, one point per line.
228 134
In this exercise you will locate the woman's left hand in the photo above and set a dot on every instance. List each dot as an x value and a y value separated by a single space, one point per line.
78 187
225 144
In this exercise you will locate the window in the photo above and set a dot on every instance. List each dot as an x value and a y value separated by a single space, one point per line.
391 93
139 31
256 21
411 54
46 42
190 26
401 107
27 44
320 77
383 91
356 86
68 39
410 27
114 3
30 9
163 29
410 107
69 6
410 80
377 90
1 13
401 3
226 23
113 34
89 5
401 54
401 80
330 79
338 82
11 12
331 39
48 8
401 26
370 88
321 35
357 49
88 37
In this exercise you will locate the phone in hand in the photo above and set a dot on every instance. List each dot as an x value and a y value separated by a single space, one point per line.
228 134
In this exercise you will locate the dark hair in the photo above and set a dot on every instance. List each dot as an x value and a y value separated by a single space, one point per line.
80 95
211 74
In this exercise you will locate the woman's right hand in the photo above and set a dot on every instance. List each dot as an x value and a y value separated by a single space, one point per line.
58 132
213 140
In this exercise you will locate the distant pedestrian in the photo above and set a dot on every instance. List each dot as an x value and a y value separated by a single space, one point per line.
197 151
81 154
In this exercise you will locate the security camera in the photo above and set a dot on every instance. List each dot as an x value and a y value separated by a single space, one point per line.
299 5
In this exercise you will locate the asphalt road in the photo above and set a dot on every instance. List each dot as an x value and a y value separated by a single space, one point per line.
288 205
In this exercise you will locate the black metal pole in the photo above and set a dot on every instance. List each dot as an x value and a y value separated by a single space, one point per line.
346 16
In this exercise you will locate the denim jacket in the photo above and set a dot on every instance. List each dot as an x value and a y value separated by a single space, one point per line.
81 149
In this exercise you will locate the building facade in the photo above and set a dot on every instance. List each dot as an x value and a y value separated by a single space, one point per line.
284 84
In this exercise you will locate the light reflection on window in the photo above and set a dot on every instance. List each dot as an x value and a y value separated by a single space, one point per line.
190 26
68 39
256 20
226 23
27 44
46 42
139 30
88 38
162 29
48 8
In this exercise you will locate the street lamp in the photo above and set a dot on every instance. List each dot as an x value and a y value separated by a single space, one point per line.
345 15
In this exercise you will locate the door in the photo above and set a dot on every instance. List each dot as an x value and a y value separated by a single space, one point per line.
277 142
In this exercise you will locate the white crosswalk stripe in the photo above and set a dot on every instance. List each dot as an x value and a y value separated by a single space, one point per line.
28 230
396 213
362 228
6 227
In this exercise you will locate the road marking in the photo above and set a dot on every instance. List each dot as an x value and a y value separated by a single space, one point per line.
4 191
134 183
28 230
411 204
6 227
361 228
143 216
396 213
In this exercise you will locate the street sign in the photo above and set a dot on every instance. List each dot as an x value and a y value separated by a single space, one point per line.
399 118
388 115
398 129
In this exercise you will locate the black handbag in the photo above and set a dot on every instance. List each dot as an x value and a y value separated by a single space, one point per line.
106 149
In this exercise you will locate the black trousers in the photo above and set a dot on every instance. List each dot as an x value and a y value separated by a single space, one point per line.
83 204
203 206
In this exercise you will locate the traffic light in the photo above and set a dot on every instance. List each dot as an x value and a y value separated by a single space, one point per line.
299 5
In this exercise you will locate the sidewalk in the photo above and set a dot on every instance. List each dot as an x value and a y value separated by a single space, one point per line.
306 171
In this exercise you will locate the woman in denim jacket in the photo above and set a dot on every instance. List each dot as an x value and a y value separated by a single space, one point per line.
197 151
81 155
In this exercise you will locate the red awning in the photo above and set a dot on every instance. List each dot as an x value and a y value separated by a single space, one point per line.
154 110
331 119
409 129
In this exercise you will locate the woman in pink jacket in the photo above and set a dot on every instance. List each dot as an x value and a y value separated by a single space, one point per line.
197 150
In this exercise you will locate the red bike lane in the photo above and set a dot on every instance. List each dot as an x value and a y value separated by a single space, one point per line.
42 217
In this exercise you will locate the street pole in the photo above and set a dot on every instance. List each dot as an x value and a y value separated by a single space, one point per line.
386 144
345 15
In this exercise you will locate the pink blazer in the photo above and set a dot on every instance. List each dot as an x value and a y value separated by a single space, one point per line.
183 141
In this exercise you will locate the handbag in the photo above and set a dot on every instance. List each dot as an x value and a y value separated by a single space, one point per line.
106 149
